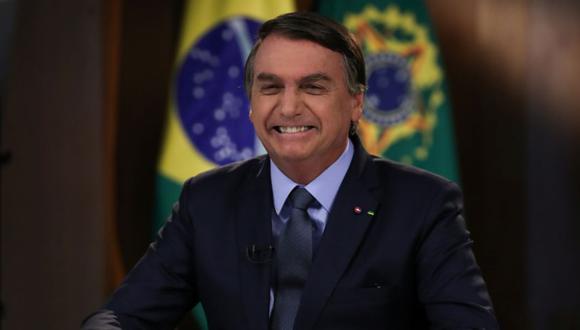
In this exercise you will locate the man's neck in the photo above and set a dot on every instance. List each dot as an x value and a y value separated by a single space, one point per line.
323 187
304 172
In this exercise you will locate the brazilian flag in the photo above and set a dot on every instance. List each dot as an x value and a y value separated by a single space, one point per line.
407 114
207 117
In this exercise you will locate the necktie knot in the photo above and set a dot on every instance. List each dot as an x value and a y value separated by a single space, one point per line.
300 198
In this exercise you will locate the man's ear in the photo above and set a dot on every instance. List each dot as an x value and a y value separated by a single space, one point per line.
357 106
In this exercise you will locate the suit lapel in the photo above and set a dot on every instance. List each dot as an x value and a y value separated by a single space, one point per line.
254 227
345 229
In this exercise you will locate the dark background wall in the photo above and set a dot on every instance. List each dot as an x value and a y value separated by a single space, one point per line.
52 192
491 127
83 111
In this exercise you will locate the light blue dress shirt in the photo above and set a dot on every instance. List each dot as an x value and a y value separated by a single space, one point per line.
323 188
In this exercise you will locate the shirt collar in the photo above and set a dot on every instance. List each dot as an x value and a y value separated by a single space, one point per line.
323 188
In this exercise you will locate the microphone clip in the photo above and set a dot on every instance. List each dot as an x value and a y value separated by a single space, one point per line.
259 254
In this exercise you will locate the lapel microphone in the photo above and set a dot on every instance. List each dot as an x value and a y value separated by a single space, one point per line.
259 253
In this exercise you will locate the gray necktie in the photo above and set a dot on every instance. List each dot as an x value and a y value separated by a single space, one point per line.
293 259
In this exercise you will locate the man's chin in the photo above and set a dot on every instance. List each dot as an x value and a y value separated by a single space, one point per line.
291 157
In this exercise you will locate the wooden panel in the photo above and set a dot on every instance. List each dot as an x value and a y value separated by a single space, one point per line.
111 18
149 33
52 192
514 77
554 165
487 87
554 63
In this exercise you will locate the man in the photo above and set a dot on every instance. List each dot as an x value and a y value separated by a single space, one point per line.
317 234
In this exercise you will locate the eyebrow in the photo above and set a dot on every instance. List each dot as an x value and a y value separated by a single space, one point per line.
269 77
263 76
314 78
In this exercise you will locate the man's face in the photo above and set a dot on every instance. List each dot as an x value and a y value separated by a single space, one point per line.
300 105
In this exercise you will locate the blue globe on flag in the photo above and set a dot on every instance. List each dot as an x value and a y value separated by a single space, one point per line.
211 101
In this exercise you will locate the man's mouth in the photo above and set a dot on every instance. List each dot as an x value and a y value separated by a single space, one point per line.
292 129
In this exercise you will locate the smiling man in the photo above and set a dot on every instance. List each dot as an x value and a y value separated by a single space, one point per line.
301 106
317 234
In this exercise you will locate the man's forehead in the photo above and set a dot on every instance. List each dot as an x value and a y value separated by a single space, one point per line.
279 55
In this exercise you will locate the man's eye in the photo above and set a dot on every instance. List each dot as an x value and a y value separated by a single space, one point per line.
314 89
269 89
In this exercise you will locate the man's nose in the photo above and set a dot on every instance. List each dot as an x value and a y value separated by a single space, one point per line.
290 104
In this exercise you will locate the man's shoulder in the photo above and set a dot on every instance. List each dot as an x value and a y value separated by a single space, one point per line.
403 186
227 175
408 177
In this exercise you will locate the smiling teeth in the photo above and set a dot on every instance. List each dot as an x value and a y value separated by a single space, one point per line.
292 129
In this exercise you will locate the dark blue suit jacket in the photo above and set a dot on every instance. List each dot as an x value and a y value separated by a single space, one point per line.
404 262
